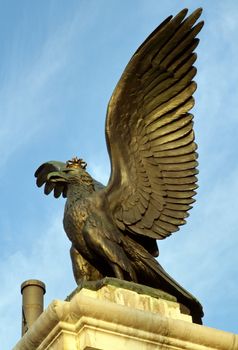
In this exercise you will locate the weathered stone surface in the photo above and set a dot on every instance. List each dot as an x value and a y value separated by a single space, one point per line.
113 317
138 288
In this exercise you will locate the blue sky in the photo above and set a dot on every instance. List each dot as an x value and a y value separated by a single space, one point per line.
59 63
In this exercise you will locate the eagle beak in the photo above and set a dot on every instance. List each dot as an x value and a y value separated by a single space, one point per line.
57 176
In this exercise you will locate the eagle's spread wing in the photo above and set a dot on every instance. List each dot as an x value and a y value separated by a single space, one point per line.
150 132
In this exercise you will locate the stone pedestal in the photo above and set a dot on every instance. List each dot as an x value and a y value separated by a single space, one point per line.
106 317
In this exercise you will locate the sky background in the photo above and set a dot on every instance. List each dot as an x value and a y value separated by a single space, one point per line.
60 61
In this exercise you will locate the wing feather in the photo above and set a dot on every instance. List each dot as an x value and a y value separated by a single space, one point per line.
149 132
170 117
176 101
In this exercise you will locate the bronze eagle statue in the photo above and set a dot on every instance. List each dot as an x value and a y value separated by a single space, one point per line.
150 139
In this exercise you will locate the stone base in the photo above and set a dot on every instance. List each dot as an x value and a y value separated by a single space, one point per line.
105 316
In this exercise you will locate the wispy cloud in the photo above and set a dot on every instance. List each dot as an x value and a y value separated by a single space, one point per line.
47 260
26 93
202 256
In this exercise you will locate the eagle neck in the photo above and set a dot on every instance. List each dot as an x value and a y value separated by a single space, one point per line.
78 191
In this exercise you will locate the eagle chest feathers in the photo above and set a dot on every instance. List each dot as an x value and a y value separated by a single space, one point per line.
77 210
75 216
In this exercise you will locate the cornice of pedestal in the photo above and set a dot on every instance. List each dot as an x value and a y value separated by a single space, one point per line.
97 318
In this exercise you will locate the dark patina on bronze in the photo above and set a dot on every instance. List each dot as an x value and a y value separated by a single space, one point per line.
150 138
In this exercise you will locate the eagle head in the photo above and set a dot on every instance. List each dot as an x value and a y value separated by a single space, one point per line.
74 172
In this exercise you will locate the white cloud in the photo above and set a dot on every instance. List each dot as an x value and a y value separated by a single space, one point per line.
47 260
25 95
203 255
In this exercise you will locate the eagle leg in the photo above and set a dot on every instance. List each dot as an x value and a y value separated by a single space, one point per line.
82 269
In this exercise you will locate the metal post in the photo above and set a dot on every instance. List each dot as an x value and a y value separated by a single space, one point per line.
32 302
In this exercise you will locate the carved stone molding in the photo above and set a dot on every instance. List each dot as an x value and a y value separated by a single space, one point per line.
113 317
